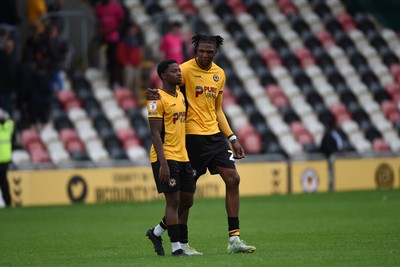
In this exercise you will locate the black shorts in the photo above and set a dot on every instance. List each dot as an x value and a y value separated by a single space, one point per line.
209 151
182 172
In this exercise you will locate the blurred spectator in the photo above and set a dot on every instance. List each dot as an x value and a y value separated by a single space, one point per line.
27 67
53 10
6 134
130 56
36 11
332 141
57 53
172 44
8 66
25 72
110 15
10 20
43 59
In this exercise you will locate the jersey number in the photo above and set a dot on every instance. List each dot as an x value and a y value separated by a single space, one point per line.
231 156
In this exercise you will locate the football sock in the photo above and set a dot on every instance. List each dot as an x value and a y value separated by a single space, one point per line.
233 227
173 233
183 232
160 228
175 246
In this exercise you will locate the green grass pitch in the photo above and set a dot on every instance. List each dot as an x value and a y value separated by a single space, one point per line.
330 229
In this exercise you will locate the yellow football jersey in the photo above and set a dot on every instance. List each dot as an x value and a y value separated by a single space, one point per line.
201 90
172 110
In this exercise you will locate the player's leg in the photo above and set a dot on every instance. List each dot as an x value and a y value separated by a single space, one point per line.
188 188
154 234
232 199
185 204
171 217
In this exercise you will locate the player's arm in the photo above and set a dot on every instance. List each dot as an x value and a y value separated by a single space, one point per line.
226 129
155 130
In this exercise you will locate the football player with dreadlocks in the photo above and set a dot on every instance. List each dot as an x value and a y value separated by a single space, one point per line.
207 132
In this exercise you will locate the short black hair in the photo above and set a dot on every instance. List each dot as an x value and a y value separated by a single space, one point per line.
210 39
163 65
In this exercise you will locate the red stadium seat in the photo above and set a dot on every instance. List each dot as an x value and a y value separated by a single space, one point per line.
66 97
122 93
131 142
305 57
245 130
305 138
124 134
325 38
252 144
379 145
346 21
271 57
40 156
75 103
128 103
393 89
388 107
28 136
338 108
74 145
297 128
395 71
273 91
67 135
287 7
394 117
280 101
34 146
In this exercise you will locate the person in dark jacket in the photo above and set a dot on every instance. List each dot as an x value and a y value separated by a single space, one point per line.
332 141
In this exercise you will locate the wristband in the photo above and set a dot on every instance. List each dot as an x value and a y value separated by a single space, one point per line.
232 137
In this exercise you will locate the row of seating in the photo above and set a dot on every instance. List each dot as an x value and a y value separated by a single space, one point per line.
290 64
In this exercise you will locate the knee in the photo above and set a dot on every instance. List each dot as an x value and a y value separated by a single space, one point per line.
186 201
233 180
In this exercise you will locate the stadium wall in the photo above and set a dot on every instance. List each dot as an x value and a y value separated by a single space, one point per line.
117 184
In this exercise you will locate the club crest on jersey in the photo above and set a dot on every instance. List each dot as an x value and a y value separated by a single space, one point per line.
216 78
153 105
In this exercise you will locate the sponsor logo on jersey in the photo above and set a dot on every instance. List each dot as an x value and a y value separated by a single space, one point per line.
179 116
208 91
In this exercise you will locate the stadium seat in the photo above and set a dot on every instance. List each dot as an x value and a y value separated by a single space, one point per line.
379 145
20 156
28 136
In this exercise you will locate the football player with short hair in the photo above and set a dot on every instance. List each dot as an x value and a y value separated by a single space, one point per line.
172 171
207 131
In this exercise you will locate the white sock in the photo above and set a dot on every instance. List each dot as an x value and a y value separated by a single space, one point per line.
158 230
231 238
175 246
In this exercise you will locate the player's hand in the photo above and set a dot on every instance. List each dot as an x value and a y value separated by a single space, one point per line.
164 174
238 151
152 94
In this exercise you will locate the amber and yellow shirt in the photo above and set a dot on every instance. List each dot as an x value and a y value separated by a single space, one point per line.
172 111
201 88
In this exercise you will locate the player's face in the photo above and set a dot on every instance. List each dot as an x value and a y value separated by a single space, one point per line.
173 74
205 54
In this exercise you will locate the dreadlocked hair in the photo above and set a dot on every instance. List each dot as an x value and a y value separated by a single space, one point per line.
204 38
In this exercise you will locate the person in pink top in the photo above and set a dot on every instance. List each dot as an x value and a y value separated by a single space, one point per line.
110 15
172 44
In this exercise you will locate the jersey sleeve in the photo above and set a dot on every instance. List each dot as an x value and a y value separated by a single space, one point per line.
155 109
